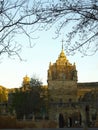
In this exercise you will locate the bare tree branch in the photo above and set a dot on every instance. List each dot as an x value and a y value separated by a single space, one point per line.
15 17
78 18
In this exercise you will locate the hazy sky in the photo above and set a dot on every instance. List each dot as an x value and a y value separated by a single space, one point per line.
37 60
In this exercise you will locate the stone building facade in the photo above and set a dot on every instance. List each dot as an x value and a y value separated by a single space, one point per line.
65 92
62 78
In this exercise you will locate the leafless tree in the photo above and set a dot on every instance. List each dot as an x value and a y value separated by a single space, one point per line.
17 17
77 18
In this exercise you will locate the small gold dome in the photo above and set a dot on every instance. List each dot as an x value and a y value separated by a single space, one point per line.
62 54
26 79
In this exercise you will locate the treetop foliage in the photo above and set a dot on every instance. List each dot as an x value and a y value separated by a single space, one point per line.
35 82
3 94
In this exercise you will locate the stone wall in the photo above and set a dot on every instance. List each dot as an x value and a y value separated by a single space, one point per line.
63 90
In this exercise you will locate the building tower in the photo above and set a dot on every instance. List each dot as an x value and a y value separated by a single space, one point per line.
62 79
62 85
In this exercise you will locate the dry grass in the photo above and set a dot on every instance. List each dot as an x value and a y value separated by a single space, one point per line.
48 124
25 124
12 122
52 124
7 122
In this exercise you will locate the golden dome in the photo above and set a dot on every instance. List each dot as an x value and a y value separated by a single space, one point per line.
62 54
26 79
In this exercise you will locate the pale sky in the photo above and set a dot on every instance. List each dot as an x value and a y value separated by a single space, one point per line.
37 61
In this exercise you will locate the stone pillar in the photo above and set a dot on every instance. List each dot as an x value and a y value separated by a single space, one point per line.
24 117
33 118
83 115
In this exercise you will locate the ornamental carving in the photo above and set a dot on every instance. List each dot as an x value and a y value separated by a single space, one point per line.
62 69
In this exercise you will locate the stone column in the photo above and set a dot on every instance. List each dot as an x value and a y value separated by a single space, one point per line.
33 117
83 114
24 117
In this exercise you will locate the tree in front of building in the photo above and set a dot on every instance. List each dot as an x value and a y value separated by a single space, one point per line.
27 101
37 86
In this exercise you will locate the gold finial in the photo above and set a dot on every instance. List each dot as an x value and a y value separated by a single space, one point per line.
62 43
